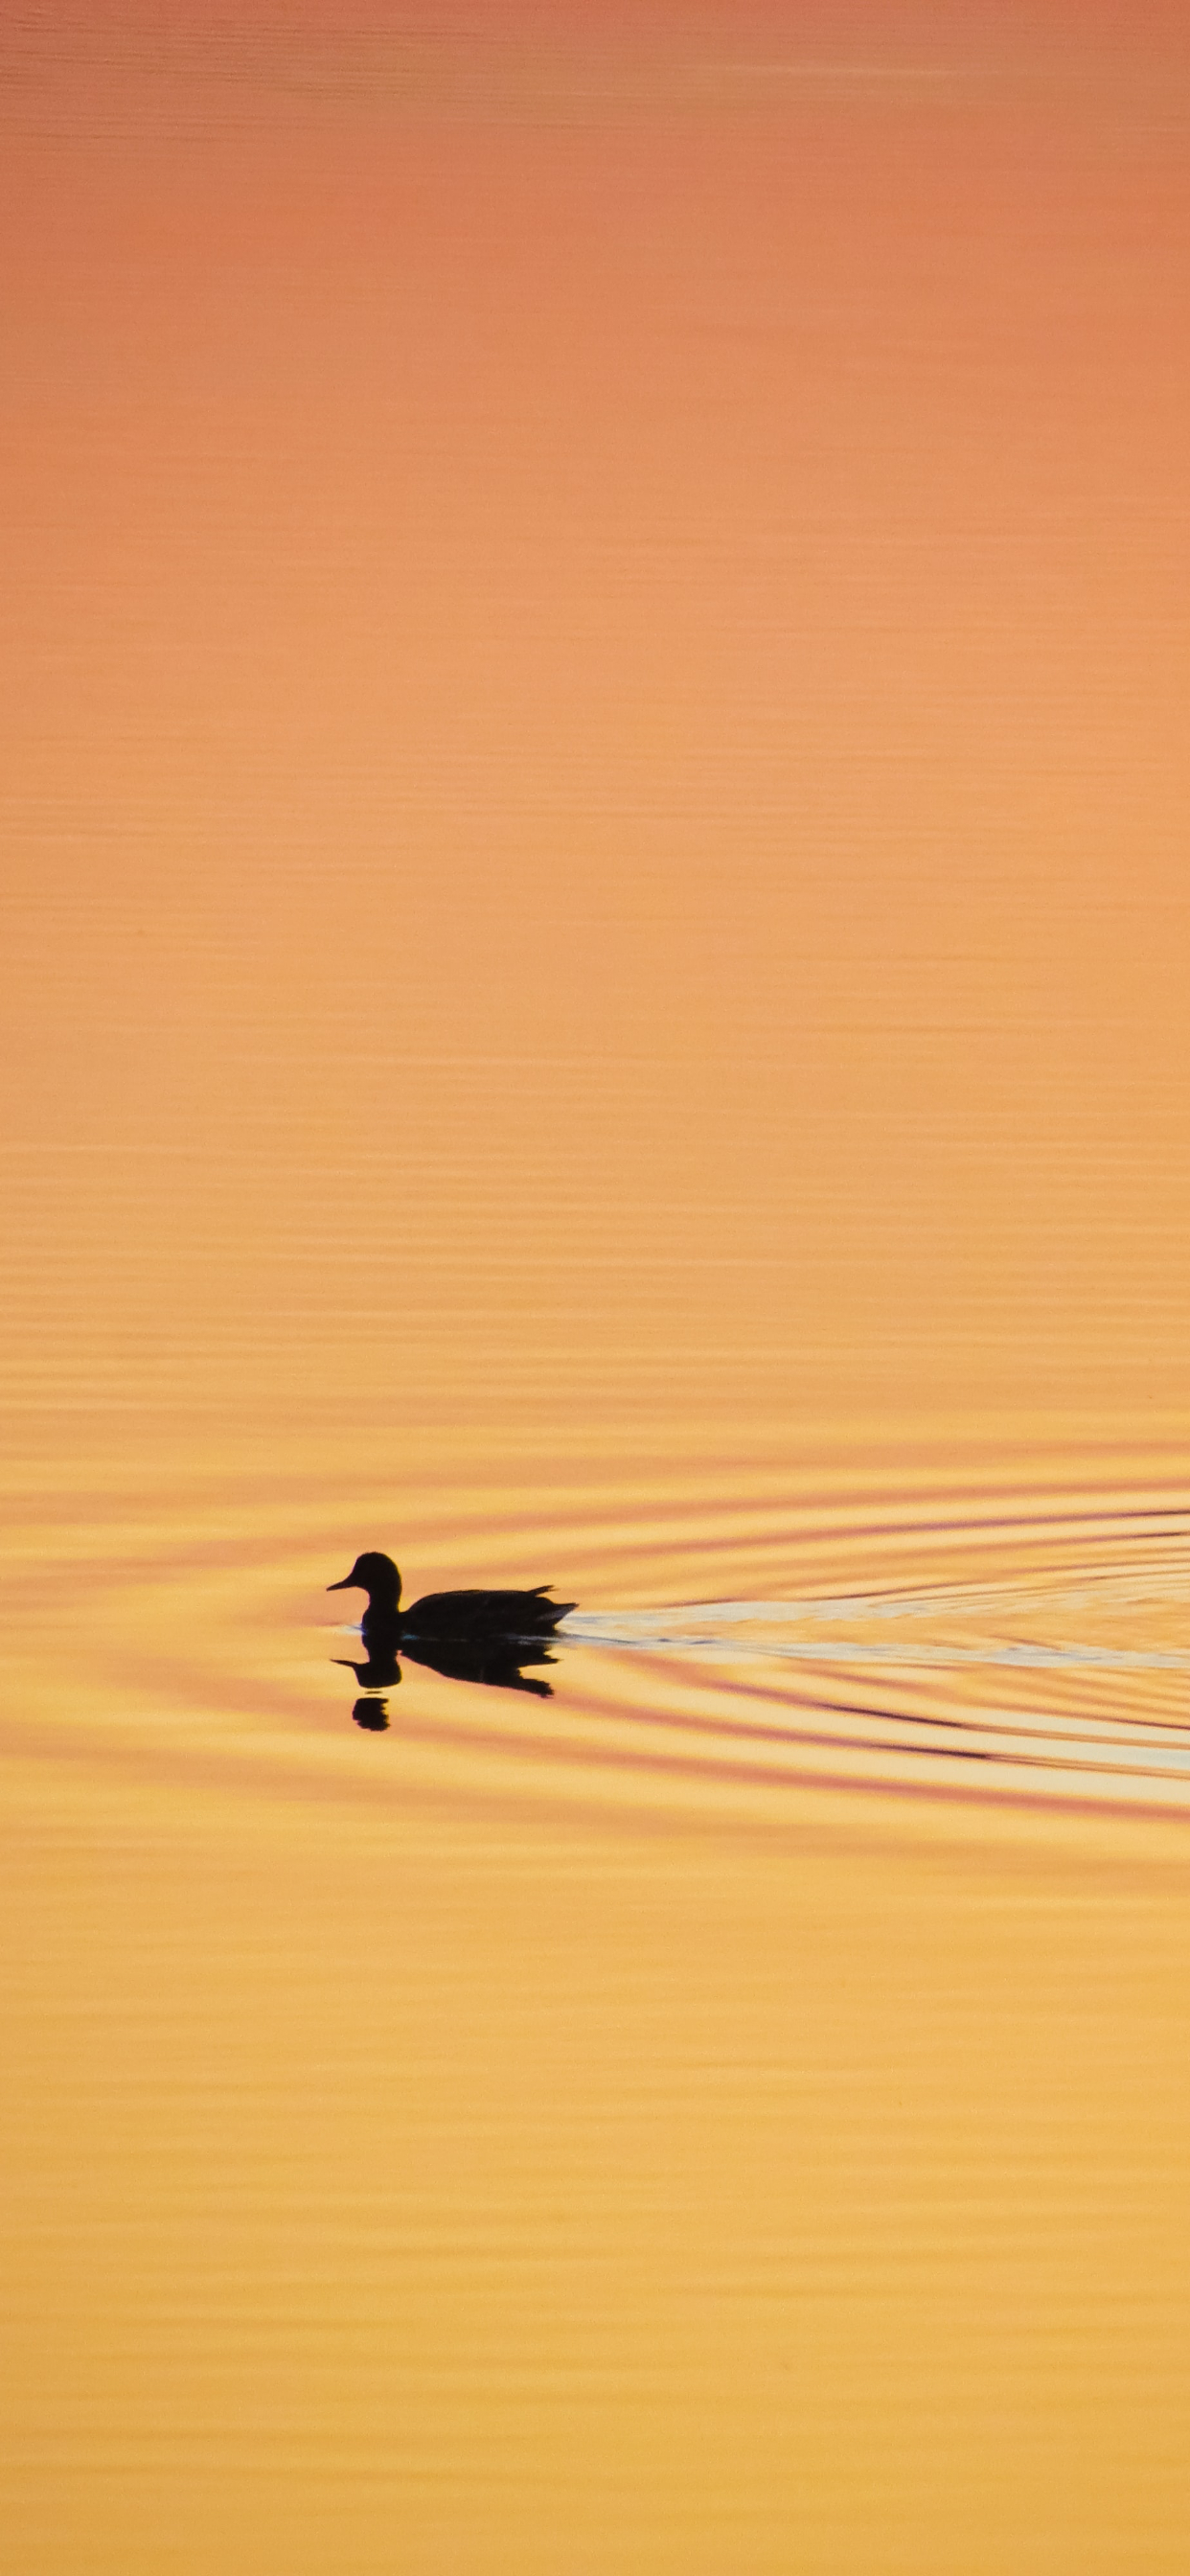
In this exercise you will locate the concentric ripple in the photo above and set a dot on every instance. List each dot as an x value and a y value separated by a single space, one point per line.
943 1630
1050 1657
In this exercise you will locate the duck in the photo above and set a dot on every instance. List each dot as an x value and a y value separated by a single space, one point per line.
456 1618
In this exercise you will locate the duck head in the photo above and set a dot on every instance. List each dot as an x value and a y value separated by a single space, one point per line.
378 1577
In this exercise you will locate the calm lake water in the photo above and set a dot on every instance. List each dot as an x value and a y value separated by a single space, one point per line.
596 947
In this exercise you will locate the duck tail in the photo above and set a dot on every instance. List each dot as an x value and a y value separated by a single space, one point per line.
551 1611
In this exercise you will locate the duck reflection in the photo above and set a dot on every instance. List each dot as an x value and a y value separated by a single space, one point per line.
488 1637
499 1665
381 1672
372 1714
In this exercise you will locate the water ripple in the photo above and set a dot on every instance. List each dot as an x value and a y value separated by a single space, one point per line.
979 1643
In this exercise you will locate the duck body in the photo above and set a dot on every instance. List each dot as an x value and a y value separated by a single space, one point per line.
458 1618
470 1615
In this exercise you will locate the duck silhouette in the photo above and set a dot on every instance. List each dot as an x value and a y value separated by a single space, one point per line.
456 1620
486 1637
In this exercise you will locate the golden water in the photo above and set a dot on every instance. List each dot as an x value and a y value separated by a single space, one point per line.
595 964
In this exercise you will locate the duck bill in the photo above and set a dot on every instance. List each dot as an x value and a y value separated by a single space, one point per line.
344 1586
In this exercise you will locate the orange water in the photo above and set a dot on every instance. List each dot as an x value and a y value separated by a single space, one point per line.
595 964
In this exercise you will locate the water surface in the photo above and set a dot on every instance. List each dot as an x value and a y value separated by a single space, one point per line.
596 951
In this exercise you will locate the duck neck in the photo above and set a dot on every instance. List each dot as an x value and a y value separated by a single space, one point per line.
383 1611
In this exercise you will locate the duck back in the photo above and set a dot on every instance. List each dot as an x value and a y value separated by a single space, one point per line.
463 1615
